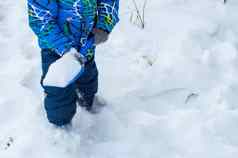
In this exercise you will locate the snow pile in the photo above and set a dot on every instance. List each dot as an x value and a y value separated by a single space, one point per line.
171 88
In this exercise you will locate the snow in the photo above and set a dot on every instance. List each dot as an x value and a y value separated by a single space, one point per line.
64 70
171 88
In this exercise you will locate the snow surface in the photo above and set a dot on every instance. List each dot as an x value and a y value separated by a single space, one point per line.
171 88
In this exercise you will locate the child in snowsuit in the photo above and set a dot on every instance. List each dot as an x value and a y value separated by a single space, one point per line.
63 25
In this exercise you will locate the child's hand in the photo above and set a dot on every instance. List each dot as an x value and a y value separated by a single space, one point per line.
101 36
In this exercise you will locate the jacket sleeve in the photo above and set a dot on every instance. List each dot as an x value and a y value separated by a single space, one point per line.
42 20
107 14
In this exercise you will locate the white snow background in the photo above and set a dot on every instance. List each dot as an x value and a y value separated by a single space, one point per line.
172 88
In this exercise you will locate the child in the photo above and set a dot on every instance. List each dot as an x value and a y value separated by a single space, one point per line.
64 26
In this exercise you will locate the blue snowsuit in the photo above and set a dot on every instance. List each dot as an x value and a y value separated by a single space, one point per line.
61 25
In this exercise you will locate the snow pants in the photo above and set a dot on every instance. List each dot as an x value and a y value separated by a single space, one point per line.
60 103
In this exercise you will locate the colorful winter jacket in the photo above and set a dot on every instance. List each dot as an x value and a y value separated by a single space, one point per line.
63 24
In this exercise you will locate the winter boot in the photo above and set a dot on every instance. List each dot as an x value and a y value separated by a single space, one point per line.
92 104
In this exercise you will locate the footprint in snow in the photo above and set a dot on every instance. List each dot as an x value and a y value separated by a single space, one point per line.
6 144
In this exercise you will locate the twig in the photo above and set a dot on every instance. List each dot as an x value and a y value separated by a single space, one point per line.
139 16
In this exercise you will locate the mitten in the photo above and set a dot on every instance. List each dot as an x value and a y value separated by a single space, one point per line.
101 36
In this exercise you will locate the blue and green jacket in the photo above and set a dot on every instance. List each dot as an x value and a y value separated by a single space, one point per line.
63 24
